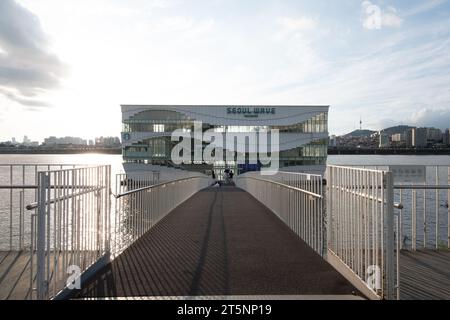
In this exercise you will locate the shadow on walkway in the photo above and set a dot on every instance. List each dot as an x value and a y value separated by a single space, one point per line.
219 242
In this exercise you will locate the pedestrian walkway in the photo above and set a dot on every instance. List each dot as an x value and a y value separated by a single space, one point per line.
220 242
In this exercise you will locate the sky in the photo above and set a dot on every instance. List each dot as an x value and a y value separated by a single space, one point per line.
66 65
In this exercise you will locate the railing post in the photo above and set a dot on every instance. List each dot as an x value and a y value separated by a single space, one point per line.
41 282
390 259
21 220
328 212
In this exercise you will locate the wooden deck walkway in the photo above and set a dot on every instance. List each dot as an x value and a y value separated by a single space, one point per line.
220 242
425 275
15 275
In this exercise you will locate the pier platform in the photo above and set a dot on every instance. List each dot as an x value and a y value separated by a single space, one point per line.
220 242
424 275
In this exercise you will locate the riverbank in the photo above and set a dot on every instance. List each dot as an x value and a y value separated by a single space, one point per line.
331 151
60 151
388 151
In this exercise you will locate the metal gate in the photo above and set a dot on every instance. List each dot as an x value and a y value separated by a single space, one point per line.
361 243
70 230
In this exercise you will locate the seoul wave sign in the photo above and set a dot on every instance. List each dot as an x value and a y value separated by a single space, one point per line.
251 112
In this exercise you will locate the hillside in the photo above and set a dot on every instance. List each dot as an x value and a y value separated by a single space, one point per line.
397 129
360 133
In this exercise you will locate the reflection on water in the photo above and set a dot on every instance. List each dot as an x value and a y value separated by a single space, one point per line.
26 175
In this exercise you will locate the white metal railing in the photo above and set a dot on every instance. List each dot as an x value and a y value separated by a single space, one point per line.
70 226
361 235
295 198
425 213
139 209
18 186
126 182
425 216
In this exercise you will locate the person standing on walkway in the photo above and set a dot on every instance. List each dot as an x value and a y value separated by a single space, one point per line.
227 175
216 183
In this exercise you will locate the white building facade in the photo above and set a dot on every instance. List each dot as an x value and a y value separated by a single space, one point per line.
303 130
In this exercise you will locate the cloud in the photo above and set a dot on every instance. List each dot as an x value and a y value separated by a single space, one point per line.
297 24
388 80
374 17
27 67
424 7
23 101
439 118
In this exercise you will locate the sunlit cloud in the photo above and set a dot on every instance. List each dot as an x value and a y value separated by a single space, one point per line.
290 24
221 52
27 67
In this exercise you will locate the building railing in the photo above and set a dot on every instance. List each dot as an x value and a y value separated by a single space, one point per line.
139 209
297 199
18 186
361 229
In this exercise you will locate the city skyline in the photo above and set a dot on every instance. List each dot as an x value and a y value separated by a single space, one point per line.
65 140
88 140
65 65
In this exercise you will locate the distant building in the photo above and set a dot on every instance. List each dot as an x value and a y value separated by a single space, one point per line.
434 135
398 137
52 141
398 140
419 137
409 138
333 141
28 143
107 142
446 139
384 140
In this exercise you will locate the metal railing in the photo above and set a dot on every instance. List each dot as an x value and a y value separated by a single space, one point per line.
125 182
70 229
139 209
361 235
425 216
18 186
425 213
296 198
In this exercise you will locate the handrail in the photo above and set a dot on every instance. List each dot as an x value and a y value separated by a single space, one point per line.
422 187
31 186
284 185
118 196
297 173
357 169
34 205
367 196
